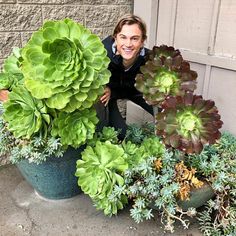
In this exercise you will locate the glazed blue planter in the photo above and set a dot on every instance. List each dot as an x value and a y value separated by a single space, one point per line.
54 178
198 197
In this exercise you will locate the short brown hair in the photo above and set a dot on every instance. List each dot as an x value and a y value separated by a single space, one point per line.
130 19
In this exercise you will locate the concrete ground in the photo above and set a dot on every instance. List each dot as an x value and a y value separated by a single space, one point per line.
23 212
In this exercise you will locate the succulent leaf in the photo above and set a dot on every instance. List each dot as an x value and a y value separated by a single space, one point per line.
25 115
163 51
11 74
165 74
188 122
66 65
75 128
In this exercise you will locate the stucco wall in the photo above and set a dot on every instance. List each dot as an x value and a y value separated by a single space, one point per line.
19 18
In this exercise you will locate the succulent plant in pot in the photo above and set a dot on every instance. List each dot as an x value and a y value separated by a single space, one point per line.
182 161
188 126
53 83
165 74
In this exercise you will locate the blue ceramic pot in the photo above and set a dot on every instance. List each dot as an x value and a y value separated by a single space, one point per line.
54 178
198 197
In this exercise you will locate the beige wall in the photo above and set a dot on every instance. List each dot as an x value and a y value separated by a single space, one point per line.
205 32
19 18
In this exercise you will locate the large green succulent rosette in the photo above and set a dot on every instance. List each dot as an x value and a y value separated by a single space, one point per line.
99 171
65 64
188 122
165 74
75 128
25 114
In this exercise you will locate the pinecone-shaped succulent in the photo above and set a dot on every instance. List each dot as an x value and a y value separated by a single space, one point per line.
187 122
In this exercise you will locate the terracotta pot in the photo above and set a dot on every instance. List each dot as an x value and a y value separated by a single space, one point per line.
3 95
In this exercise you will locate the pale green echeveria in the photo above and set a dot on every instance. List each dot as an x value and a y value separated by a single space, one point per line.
65 64
99 170
26 115
11 74
75 128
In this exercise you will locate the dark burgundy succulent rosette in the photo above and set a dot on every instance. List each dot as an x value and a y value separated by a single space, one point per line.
165 74
188 122
163 51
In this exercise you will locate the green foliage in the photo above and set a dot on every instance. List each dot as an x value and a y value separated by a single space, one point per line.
218 164
75 128
25 114
188 122
137 133
66 65
151 147
107 134
151 189
54 81
11 74
100 171
36 150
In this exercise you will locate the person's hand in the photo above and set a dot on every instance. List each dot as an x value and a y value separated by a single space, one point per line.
3 95
106 96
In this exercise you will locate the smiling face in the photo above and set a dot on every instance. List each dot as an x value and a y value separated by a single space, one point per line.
128 42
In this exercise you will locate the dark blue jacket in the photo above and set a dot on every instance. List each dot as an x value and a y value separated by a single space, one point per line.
121 81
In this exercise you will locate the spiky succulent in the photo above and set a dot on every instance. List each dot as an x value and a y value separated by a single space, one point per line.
187 122
66 65
165 74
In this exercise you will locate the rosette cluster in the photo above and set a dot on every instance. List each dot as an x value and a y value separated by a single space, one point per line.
165 74
185 121
65 64
188 122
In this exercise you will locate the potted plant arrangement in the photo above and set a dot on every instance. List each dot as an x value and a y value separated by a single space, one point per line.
183 164
50 87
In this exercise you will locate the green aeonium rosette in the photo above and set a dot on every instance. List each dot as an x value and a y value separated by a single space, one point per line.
25 114
66 65
100 171
11 74
75 128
